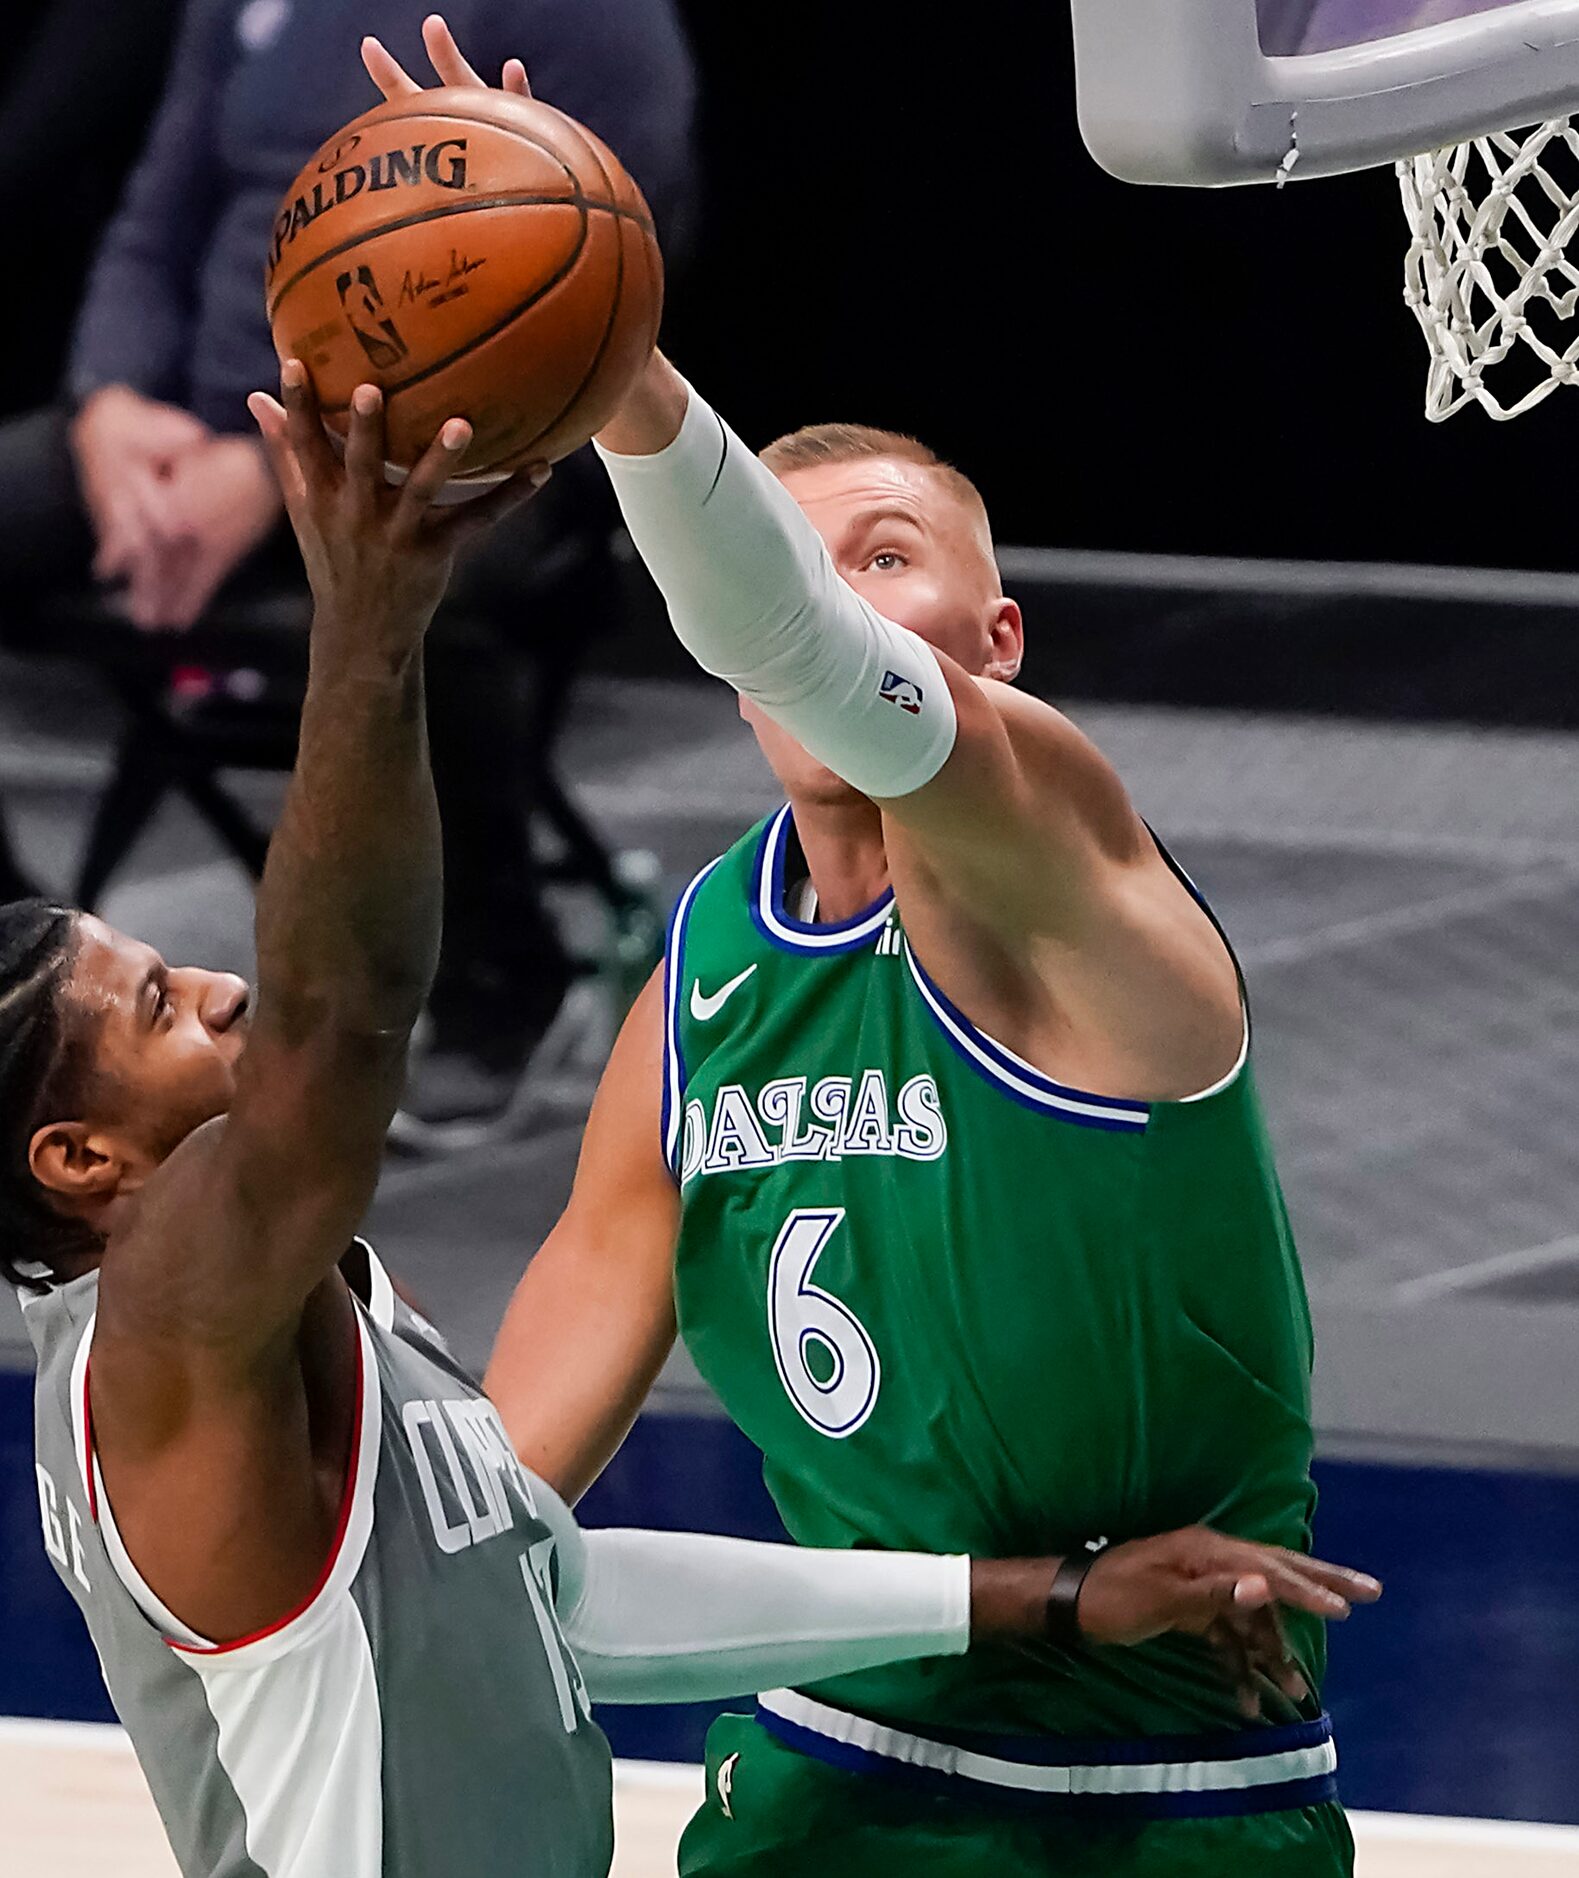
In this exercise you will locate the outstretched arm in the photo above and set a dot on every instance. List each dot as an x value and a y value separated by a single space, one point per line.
251 1213
1015 845
222 1403
688 1617
755 596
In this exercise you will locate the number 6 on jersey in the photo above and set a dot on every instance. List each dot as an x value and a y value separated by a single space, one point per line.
803 1319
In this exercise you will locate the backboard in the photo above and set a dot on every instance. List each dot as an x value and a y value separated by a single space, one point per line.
1244 91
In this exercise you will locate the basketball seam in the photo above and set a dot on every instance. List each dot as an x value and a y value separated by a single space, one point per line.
518 199
513 201
460 117
608 325
393 388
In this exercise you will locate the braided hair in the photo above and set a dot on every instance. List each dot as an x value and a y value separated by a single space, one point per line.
43 1073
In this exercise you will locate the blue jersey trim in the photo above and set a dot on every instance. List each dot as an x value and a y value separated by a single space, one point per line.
1219 1802
1019 1080
674 1076
1094 1751
798 935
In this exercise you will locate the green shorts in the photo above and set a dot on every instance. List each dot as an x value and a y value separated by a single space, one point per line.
775 1813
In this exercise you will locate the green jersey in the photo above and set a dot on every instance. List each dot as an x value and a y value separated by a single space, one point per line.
961 1307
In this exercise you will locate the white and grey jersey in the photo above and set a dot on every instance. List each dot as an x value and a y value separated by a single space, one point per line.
420 1716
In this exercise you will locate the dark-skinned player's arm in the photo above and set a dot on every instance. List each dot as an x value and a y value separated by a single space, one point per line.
202 1294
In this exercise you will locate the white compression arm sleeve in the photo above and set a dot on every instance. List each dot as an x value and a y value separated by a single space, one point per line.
757 601
686 1617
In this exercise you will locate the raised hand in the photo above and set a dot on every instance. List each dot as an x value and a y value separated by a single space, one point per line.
378 558
450 65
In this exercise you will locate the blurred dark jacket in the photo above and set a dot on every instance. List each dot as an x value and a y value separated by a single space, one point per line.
79 82
175 303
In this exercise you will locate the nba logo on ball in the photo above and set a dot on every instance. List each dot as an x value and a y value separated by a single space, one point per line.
901 691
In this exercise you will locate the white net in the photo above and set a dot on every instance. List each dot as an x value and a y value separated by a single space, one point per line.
1489 274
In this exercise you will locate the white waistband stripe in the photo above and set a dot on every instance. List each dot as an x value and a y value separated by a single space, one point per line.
855 1731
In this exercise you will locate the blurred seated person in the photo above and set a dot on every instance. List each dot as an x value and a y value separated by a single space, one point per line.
57 190
57 193
149 480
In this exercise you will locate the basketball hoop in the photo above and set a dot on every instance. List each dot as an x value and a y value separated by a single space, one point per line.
1489 273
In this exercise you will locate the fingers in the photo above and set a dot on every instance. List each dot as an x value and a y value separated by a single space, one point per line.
269 416
450 65
1254 1649
1356 1587
1197 1606
138 530
1234 1654
124 533
448 60
1251 1592
1263 1636
439 463
1292 1586
1310 1583
304 431
365 454
386 71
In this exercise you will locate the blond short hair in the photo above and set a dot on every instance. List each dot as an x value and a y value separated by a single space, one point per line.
816 445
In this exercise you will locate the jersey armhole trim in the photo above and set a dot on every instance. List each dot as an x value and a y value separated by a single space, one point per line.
347 1549
674 1077
1224 1083
1022 1082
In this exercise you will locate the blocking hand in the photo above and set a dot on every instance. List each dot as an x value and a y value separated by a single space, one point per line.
450 65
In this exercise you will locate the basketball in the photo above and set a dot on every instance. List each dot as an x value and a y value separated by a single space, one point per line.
476 255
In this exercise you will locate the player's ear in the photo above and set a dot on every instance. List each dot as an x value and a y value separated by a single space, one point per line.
1005 641
76 1161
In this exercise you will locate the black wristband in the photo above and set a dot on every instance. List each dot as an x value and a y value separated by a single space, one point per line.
1062 1623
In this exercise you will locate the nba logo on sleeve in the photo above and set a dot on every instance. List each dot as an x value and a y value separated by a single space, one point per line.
901 691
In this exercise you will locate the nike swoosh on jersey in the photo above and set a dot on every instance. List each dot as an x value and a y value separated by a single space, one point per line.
703 1008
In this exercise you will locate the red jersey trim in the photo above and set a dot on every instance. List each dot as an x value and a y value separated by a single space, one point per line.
342 1522
342 1526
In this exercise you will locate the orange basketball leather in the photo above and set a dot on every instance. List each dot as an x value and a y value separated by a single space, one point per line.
477 255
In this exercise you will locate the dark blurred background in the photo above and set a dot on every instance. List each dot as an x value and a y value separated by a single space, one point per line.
904 228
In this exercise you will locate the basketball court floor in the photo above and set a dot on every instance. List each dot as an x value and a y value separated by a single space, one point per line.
73 1805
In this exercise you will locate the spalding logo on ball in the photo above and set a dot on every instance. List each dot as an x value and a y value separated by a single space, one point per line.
477 255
